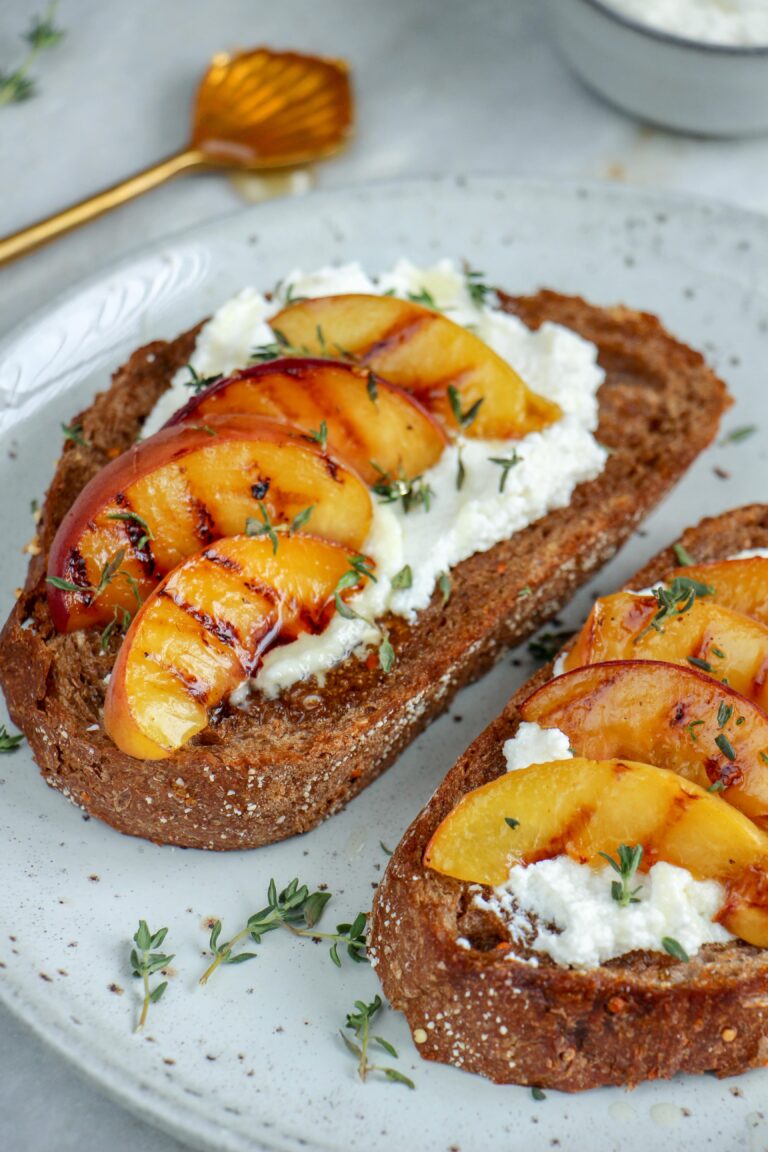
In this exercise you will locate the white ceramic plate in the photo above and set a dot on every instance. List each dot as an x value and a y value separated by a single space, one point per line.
254 1059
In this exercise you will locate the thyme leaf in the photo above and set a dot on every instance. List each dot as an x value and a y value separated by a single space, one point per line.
629 857
297 910
359 1021
9 742
145 963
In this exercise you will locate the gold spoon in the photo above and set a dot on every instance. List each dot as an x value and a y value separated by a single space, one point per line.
254 111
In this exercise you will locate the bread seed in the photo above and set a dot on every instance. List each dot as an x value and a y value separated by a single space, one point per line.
420 1036
728 1034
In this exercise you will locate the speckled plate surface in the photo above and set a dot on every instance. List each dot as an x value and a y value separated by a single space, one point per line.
254 1060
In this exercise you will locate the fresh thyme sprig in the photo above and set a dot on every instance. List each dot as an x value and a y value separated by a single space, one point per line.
290 908
8 741
626 866
506 463
280 346
477 290
134 518
673 948
359 568
121 619
198 382
265 526
74 432
360 1023
412 492
684 557
463 417
320 436
145 962
109 572
423 296
18 85
674 600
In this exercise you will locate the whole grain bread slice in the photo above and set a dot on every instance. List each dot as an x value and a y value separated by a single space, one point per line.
485 1009
280 767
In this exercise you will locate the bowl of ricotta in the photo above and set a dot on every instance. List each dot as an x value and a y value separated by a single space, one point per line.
697 66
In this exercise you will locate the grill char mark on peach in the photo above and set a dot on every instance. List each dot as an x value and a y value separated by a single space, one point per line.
628 802
206 628
192 488
393 429
421 350
664 714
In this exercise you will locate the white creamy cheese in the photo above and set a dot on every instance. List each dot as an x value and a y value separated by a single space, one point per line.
578 923
735 22
532 744
553 361
751 554
565 909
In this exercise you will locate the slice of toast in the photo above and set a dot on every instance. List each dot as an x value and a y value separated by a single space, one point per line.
639 1017
280 767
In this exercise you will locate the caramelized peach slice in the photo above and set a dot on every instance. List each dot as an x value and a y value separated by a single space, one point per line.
722 643
583 807
205 629
425 353
666 715
363 417
738 584
185 487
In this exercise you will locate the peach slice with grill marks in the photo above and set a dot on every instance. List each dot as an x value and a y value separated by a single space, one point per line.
206 627
667 715
450 370
582 807
716 640
361 417
181 489
738 584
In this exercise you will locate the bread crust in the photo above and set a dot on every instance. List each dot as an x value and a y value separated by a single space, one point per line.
483 1008
280 767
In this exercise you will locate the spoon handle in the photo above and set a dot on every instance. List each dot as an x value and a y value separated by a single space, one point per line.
32 237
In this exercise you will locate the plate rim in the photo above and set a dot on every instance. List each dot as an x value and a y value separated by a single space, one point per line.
157 1106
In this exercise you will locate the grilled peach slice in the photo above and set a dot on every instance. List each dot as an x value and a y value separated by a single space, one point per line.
205 629
185 487
362 416
666 715
722 643
738 584
583 807
425 353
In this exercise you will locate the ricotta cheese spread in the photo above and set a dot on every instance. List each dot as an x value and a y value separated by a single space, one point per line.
734 22
553 361
565 909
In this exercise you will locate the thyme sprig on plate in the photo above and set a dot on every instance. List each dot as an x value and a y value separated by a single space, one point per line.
359 1022
43 33
145 963
424 297
674 600
8 741
298 910
412 491
629 857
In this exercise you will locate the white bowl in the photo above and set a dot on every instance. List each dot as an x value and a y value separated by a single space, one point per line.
688 85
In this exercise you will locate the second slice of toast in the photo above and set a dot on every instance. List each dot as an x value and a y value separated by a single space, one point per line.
638 1017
